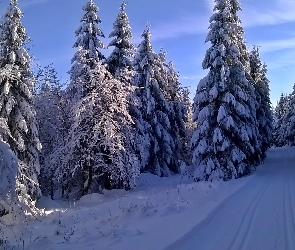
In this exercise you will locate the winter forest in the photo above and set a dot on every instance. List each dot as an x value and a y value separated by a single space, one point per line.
127 114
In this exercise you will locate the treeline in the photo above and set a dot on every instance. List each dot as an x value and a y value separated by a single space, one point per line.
128 113
284 120
119 116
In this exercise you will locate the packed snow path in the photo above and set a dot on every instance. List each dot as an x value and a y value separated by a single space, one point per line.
261 215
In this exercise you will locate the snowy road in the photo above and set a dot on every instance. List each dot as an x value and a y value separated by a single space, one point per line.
259 216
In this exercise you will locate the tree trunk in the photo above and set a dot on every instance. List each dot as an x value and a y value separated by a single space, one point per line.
89 180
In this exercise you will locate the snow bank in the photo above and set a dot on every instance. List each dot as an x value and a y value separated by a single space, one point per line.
158 212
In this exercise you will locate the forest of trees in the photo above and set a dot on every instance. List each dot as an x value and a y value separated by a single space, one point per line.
128 113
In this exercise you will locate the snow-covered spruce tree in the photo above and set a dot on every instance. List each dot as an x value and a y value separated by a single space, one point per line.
190 125
88 54
120 60
120 64
225 141
94 156
279 113
51 106
157 149
178 115
16 103
263 112
83 61
287 128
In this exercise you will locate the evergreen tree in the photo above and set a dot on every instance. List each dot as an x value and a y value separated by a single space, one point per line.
190 125
281 107
225 143
178 115
279 114
119 60
51 105
88 54
120 64
287 128
16 102
94 156
263 112
157 150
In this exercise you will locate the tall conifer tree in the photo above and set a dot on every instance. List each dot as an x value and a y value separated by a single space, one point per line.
279 114
153 117
120 65
225 142
287 128
190 125
263 112
16 104
51 106
95 154
178 115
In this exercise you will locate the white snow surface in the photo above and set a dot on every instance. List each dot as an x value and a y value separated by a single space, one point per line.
255 212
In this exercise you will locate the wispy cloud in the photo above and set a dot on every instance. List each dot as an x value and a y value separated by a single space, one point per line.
275 12
254 14
32 2
284 61
184 26
280 60
275 45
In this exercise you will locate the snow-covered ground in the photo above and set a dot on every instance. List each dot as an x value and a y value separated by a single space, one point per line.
261 215
255 212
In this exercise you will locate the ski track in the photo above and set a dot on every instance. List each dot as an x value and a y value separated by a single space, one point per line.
291 204
260 215
242 235
289 216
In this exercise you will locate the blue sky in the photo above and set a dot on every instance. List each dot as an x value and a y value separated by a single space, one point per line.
180 27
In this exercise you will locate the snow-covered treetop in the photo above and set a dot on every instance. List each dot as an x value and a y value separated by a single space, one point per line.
174 84
88 54
88 33
226 34
223 4
146 43
13 36
225 20
124 48
145 50
258 73
123 6
255 60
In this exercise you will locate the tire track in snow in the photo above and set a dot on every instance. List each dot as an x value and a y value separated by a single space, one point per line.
289 220
242 235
